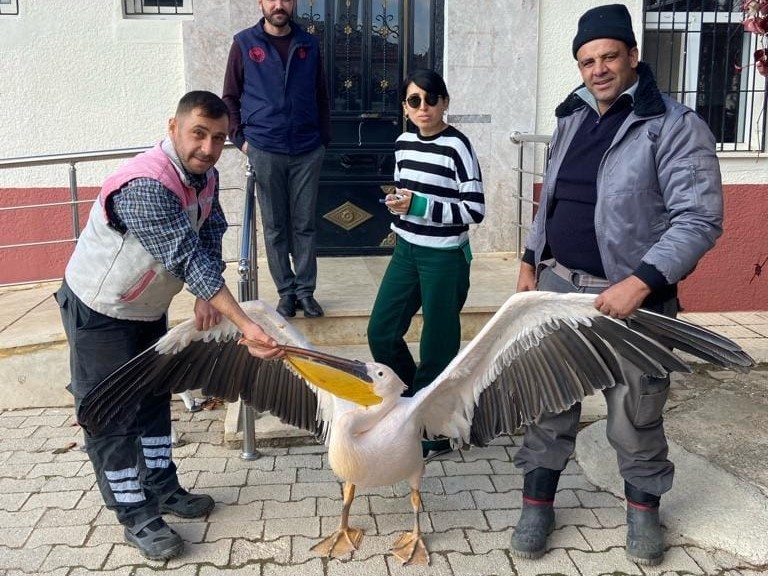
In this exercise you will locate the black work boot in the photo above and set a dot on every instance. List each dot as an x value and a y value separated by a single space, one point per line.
645 538
537 518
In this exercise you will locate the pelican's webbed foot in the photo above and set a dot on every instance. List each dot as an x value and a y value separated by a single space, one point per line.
410 549
343 541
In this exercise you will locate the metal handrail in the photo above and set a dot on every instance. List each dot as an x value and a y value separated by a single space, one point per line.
71 159
521 138
248 289
76 157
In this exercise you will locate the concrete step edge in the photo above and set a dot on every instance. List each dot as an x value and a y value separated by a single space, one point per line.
335 329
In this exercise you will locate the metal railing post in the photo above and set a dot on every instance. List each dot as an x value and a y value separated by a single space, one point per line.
519 240
73 198
520 139
248 289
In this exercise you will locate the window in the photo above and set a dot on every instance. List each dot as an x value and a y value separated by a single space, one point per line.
162 8
700 53
9 7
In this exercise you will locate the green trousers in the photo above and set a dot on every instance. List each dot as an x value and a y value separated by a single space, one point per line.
437 281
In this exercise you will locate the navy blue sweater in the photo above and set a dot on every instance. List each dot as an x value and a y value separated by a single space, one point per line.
571 218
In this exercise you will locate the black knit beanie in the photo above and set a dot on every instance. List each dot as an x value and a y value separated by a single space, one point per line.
611 21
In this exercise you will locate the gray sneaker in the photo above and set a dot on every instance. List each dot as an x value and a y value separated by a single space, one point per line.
155 540
185 505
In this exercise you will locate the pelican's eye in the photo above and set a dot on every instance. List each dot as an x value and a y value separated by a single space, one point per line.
380 373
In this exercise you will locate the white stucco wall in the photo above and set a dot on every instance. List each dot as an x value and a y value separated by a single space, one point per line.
490 69
78 76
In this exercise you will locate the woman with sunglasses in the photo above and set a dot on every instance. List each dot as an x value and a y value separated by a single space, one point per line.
439 193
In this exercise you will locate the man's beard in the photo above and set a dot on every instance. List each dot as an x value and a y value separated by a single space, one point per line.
276 19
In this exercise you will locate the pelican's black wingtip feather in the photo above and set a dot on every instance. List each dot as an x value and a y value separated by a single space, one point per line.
564 362
118 396
692 339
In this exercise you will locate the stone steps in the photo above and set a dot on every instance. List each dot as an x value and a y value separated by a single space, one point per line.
34 355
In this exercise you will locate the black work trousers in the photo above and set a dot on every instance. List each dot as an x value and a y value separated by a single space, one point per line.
131 458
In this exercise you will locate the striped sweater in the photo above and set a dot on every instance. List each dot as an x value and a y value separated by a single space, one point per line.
444 176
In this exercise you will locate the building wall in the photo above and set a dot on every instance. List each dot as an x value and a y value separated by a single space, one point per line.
78 76
75 77
491 68
117 81
725 279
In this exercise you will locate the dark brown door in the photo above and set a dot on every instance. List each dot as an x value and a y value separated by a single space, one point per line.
368 45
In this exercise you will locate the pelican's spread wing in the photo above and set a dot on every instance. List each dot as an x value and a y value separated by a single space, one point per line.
212 360
543 352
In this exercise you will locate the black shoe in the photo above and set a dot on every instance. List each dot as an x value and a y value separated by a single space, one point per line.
310 306
432 454
185 505
155 540
287 306
431 449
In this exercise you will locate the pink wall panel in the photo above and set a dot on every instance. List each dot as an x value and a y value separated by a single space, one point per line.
725 279
43 224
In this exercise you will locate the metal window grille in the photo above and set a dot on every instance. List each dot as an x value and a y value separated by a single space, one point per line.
701 56
157 7
9 7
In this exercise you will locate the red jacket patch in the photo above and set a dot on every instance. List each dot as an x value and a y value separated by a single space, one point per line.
257 54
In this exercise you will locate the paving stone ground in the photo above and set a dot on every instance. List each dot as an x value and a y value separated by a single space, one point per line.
270 511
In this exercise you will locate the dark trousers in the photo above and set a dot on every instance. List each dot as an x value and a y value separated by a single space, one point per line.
286 187
437 281
635 427
132 459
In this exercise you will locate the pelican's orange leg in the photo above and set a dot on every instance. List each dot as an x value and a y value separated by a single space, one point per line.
410 547
345 540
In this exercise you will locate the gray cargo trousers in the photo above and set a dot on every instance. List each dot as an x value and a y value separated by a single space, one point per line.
635 426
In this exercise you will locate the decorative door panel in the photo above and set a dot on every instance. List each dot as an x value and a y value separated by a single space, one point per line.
368 45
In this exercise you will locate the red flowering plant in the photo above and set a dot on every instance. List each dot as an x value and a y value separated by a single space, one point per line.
756 22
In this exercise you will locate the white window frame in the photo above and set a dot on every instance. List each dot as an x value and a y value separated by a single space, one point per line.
9 7
141 9
689 61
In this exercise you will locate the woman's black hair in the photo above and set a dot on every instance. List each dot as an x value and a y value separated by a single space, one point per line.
428 80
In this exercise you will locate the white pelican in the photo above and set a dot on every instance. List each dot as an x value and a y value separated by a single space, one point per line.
540 352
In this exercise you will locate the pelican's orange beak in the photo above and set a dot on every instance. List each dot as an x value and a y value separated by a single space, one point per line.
344 378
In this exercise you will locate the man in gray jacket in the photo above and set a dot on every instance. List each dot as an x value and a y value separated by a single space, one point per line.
631 201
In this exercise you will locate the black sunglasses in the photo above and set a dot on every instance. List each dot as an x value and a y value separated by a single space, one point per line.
414 101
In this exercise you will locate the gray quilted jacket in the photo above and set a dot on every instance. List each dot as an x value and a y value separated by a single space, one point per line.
659 192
